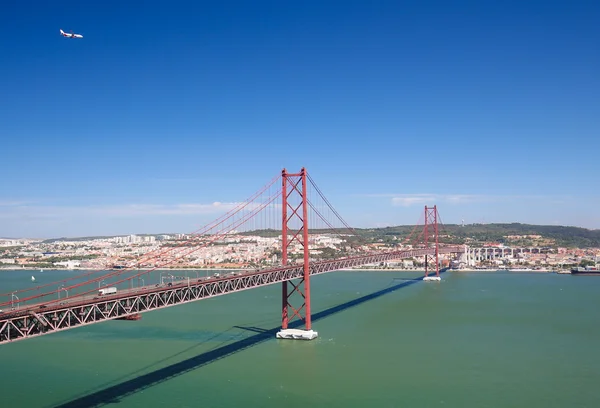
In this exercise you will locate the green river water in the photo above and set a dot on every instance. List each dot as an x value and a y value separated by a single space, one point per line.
482 339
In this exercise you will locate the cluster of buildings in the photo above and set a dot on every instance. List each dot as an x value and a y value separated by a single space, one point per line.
245 251
543 255
168 251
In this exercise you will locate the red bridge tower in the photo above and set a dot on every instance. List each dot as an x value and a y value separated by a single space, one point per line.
431 234
294 229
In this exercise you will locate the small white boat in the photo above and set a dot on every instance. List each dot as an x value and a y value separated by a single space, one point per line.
33 278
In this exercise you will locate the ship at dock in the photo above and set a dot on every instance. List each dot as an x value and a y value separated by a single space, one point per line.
588 270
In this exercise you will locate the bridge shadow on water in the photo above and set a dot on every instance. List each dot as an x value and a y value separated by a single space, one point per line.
113 394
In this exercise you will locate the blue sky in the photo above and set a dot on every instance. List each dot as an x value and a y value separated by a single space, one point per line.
491 110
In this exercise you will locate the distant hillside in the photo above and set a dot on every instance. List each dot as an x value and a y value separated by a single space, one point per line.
554 235
561 235
473 234
477 233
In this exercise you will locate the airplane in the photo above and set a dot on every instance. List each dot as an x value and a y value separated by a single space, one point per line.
70 35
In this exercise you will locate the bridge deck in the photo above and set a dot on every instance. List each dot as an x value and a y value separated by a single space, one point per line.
67 313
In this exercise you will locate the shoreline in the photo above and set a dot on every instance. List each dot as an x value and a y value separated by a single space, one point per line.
202 269
124 269
382 270
253 269
505 270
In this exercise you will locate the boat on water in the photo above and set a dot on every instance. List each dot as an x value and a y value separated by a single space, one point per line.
520 270
588 270
33 278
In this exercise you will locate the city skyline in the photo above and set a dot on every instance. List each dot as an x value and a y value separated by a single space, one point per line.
161 118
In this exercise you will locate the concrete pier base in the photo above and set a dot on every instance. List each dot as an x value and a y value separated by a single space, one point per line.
432 278
296 334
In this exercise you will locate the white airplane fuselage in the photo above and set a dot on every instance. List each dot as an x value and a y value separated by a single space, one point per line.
70 35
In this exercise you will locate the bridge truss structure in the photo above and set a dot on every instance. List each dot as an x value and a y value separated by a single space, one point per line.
32 323
42 316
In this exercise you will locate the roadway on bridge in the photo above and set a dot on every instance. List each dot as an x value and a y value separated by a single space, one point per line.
91 298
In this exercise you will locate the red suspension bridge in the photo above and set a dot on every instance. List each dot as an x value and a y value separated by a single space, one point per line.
290 207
